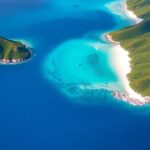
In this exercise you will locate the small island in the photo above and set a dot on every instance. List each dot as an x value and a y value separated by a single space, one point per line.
13 52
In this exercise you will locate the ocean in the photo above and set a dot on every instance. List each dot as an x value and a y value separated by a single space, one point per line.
41 104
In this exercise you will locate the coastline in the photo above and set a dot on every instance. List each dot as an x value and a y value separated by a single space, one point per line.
16 63
123 67
120 8
131 14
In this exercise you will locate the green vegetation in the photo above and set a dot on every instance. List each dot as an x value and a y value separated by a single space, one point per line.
136 39
11 50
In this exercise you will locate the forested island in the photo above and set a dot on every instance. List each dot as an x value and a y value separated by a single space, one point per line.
13 51
136 39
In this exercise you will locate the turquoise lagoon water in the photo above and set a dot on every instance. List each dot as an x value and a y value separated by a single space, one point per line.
87 60
77 61
41 104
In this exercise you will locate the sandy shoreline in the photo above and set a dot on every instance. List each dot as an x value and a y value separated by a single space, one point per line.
131 14
122 63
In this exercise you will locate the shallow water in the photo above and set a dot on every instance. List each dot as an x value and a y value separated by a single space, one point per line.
86 59
34 111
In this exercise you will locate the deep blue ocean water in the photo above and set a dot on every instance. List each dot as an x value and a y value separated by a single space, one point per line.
34 113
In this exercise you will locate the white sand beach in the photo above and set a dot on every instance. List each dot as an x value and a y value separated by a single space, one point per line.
120 8
121 61
131 15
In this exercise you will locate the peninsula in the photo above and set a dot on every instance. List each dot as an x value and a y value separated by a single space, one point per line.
13 52
136 40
